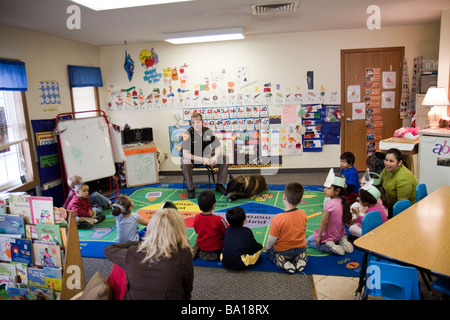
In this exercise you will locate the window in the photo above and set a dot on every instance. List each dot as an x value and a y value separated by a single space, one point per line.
16 159
85 99
84 82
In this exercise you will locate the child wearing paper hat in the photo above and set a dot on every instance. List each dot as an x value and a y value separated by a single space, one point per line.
369 198
330 237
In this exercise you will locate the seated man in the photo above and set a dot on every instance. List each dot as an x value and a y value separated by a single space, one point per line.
201 146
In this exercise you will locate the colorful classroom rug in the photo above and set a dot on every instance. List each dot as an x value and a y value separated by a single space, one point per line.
260 210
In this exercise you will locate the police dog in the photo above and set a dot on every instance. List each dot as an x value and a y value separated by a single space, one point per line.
245 186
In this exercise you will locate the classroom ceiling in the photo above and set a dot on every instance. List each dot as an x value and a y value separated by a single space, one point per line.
148 24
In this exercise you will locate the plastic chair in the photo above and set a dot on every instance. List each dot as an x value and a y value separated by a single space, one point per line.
421 191
370 221
400 206
442 285
392 281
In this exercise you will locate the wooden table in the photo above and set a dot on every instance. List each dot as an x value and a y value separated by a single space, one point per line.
418 237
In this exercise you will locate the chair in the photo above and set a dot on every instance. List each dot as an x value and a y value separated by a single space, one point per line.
392 281
210 174
400 206
442 285
421 191
370 221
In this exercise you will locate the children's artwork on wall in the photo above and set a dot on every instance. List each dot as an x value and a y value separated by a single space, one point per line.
389 81
353 93
388 99
242 74
312 120
150 60
49 95
129 66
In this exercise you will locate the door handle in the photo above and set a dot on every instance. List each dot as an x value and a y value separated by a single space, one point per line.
349 120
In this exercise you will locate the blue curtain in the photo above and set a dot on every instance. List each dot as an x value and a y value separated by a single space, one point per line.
85 76
13 76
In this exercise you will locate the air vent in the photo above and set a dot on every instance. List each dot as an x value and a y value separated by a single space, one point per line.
260 9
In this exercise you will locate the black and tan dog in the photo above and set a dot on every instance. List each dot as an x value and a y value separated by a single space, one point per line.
245 186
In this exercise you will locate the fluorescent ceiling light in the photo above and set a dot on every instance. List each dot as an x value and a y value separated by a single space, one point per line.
99 5
204 36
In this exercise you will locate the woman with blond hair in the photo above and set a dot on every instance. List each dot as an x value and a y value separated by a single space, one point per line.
159 267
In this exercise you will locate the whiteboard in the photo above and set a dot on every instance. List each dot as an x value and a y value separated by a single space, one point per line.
140 166
86 148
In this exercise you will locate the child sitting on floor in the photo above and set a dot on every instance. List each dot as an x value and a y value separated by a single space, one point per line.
330 237
210 228
127 223
286 243
86 216
98 201
240 249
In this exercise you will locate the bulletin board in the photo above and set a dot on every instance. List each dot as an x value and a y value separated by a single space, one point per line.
140 165
86 148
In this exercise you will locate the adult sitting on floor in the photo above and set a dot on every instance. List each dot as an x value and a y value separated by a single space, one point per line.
201 146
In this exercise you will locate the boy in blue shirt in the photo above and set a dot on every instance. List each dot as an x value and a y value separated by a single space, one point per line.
240 249
351 175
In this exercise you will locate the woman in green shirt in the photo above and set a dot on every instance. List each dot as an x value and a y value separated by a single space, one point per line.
398 182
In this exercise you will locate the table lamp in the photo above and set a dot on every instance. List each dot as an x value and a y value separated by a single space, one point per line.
435 98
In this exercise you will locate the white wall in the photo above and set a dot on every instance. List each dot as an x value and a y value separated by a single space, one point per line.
444 51
46 58
280 59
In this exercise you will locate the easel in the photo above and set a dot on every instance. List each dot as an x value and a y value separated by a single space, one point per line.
63 171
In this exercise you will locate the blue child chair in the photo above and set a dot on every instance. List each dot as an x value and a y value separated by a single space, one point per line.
400 206
442 285
370 221
421 191
392 281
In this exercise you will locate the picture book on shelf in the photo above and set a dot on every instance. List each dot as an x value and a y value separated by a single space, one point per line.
21 251
5 283
49 233
36 277
19 204
40 294
41 210
12 224
31 231
53 278
60 216
7 269
21 272
17 293
46 254
5 247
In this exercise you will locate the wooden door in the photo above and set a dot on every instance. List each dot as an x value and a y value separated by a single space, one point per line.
365 68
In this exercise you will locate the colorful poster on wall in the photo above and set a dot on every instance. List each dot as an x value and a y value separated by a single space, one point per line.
312 121
49 95
149 60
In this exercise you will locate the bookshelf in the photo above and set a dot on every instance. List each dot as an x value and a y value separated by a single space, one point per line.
40 254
